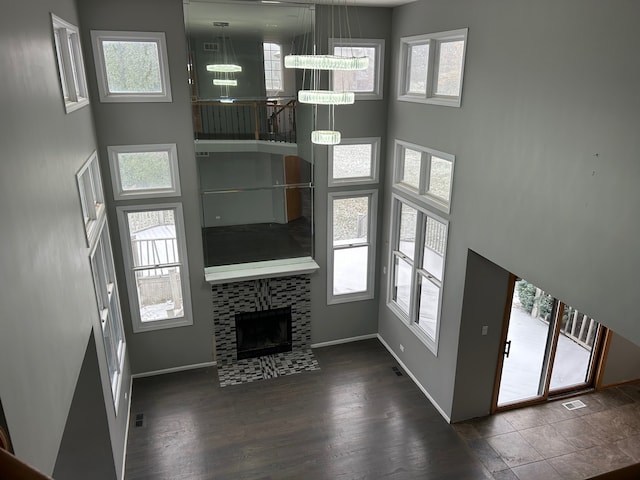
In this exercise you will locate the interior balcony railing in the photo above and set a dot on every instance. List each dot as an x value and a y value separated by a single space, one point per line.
254 120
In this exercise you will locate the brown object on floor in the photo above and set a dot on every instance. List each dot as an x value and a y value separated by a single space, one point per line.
632 472
15 469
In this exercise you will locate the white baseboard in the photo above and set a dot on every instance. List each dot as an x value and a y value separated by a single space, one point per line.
126 429
415 380
344 340
174 369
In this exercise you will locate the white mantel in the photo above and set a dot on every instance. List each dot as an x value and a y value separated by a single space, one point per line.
254 270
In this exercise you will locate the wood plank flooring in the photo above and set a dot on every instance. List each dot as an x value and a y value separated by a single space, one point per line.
353 419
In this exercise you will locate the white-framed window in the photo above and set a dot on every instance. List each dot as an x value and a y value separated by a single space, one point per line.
110 314
131 66
155 261
416 268
144 171
432 67
354 161
424 173
91 194
351 242
366 84
272 68
73 80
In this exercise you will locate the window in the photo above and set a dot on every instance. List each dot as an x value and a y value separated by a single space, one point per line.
156 265
354 161
70 64
144 171
367 84
424 173
131 66
418 246
272 68
432 67
351 245
91 197
108 302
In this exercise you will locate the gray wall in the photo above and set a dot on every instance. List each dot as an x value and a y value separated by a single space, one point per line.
366 118
47 297
144 123
546 167
623 361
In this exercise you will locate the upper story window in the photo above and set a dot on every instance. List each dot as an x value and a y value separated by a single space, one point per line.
272 68
91 197
432 67
73 80
354 161
424 173
367 84
131 66
144 171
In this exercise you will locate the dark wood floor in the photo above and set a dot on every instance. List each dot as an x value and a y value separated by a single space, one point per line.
353 419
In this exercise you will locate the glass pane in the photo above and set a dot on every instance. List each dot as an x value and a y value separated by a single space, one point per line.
428 307
411 162
350 266
528 334
407 231
352 161
350 220
144 171
159 293
72 39
356 80
435 244
153 237
450 68
272 66
402 283
440 178
132 67
578 334
63 79
109 346
418 61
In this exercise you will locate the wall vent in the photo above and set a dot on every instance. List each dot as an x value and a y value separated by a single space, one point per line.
573 405
211 47
202 154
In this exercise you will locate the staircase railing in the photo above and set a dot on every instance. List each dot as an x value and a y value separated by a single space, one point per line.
255 120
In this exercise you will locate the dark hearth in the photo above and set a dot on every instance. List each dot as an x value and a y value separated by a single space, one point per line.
263 333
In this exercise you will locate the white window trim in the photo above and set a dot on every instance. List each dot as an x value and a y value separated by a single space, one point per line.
433 39
281 89
378 81
107 296
77 93
114 166
91 194
371 243
423 194
98 36
409 320
375 163
125 239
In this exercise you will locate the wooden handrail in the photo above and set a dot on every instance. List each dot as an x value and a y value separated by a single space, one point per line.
15 469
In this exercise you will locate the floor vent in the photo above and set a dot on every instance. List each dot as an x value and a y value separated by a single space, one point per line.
139 419
397 371
573 405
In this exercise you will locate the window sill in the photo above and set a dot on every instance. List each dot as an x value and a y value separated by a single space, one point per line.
255 270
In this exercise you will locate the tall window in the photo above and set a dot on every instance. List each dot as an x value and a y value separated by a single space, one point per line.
367 84
131 66
351 239
153 243
424 173
73 80
91 198
418 247
108 301
272 68
432 67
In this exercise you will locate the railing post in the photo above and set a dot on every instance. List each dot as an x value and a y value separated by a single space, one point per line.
256 120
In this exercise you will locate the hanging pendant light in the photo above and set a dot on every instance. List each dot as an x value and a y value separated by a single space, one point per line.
326 62
326 97
325 137
225 62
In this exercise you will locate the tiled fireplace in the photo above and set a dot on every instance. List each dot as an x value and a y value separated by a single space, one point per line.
257 295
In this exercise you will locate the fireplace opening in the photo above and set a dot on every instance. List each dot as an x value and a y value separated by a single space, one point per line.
263 333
